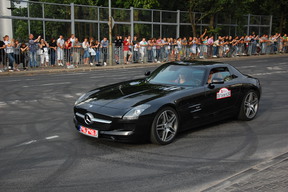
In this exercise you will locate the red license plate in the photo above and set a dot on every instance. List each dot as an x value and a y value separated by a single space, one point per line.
90 132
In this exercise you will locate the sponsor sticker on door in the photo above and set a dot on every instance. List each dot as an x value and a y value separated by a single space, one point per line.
223 93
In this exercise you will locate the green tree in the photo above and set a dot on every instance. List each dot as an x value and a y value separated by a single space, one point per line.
277 8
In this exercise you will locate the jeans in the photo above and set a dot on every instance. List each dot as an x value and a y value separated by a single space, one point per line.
32 57
97 56
11 59
150 55
215 51
53 57
158 54
135 56
105 52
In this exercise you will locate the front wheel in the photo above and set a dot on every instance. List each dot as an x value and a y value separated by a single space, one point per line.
249 106
165 126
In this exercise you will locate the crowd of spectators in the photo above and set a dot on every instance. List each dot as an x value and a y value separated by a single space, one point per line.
71 53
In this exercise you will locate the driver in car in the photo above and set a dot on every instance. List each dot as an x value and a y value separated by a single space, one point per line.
182 78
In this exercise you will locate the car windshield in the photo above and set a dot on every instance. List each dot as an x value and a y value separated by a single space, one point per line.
180 75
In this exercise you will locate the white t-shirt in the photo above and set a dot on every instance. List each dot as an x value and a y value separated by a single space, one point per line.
60 42
142 48
8 49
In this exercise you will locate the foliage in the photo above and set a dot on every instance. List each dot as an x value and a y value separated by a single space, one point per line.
212 10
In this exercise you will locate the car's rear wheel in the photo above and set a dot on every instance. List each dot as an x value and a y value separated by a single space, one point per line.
249 106
165 126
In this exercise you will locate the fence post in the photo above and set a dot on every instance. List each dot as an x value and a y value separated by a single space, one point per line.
43 22
28 14
152 27
248 24
270 28
98 17
110 54
132 22
160 24
72 18
178 24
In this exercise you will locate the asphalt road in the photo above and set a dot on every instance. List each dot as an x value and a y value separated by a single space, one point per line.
40 150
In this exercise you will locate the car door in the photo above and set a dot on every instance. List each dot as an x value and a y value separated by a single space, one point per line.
190 107
221 98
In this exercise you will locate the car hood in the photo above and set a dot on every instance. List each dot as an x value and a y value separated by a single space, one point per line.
128 94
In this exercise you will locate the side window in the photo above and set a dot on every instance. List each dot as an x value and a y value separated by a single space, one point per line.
226 76
220 72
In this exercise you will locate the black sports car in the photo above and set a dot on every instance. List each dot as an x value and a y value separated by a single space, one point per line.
175 97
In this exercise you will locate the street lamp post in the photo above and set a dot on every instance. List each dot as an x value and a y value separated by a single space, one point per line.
110 35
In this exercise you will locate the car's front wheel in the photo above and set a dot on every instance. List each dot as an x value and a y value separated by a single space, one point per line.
249 106
165 126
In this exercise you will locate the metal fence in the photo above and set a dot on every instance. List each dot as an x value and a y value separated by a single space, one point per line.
52 19
75 57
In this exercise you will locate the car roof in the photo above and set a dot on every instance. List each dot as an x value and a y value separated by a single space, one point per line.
206 64
196 62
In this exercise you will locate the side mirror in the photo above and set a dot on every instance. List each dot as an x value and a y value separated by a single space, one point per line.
217 81
147 73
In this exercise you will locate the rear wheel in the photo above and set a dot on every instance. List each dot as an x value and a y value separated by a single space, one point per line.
249 106
165 126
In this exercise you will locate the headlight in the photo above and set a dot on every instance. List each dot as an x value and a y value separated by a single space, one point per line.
82 98
135 112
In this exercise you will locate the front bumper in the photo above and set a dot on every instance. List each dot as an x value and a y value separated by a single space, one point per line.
118 129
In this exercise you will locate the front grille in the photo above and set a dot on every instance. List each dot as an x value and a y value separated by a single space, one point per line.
98 122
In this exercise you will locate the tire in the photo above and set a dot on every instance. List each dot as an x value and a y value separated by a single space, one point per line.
165 126
249 106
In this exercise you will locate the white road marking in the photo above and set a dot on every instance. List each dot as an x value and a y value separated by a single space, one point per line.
79 94
245 67
52 137
259 61
269 73
99 76
68 96
27 143
34 141
2 103
69 74
274 68
14 80
47 84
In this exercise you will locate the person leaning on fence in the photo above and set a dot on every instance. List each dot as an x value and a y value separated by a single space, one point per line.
184 43
17 55
215 47
9 49
60 50
24 58
104 46
143 46
2 55
76 49
86 55
285 43
126 50
43 52
210 43
72 39
136 47
32 45
67 52
98 52
117 47
52 51
92 51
